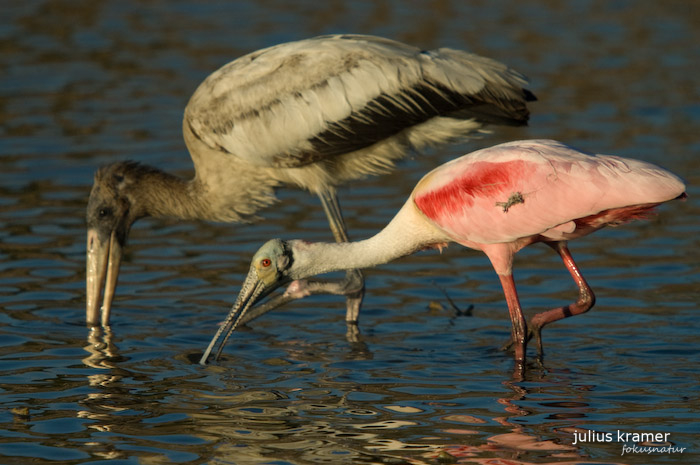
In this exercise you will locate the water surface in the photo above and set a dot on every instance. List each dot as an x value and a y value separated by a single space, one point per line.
90 82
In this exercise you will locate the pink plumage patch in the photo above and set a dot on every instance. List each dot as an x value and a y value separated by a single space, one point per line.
482 180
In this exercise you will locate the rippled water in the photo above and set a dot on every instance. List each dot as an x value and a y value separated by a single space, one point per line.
84 83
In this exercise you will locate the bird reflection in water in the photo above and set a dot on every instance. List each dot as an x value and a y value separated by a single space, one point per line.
102 403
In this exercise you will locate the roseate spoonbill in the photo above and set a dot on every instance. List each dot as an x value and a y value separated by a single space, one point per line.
497 200
314 114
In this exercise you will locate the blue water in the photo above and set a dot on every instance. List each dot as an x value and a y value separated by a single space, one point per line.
87 83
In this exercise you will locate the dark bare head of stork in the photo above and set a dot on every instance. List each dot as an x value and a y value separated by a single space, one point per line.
122 193
111 211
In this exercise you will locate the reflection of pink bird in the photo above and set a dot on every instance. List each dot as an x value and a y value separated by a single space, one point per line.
497 200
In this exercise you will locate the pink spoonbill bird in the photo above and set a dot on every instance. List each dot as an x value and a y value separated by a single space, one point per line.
497 200
314 114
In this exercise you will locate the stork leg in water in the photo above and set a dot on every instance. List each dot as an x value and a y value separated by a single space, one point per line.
353 287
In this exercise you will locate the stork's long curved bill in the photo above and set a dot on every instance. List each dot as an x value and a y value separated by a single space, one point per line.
253 290
102 269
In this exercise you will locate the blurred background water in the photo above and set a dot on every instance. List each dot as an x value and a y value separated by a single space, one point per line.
83 83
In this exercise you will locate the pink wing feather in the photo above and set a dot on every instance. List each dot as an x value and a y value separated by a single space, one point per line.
529 188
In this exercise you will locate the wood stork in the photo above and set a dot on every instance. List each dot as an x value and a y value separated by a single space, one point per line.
314 114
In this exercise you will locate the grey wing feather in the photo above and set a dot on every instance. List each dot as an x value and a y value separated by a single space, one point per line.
300 102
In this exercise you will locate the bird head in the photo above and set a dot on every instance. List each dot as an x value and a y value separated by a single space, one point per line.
110 214
270 263
269 269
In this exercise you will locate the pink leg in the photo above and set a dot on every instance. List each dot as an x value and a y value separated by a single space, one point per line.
585 301
519 326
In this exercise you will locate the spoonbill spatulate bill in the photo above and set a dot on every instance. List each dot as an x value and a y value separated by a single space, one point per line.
497 200
314 114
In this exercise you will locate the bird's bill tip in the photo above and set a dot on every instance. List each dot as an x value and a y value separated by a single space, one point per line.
251 293
103 258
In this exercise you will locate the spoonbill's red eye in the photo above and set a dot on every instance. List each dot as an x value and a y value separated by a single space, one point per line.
266 262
